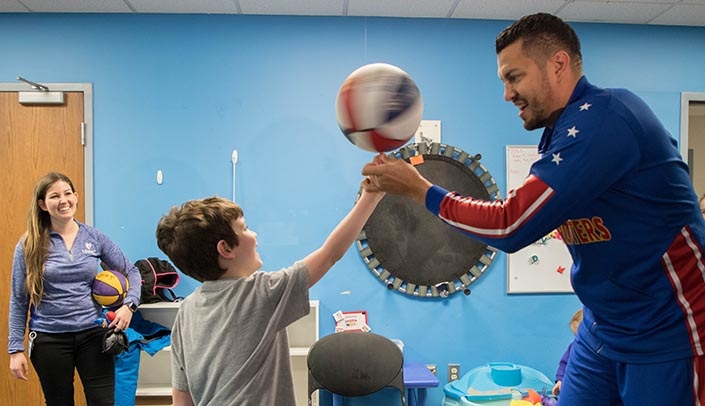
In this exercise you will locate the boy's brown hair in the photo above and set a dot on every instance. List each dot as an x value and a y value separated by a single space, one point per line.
189 235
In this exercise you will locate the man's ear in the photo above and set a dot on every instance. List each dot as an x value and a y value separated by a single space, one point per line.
225 250
560 63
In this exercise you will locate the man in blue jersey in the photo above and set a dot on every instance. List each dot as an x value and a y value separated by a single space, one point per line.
611 180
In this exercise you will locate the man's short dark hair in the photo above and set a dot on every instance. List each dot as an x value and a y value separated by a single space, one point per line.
543 34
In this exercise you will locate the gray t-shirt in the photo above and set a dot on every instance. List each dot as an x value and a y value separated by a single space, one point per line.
229 343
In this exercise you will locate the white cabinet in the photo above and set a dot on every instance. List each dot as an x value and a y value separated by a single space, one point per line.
302 334
155 372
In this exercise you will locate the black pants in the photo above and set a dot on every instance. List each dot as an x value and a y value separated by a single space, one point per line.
54 357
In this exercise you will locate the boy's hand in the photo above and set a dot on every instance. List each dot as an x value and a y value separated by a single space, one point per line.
369 186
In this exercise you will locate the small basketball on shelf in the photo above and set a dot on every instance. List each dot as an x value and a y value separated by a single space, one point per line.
110 288
379 107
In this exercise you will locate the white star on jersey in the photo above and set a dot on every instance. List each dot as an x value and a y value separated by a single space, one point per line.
557 158
585 106
572 132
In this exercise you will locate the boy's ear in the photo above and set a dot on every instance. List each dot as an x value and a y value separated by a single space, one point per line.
225 250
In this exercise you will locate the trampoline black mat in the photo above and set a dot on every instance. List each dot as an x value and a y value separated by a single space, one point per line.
416 246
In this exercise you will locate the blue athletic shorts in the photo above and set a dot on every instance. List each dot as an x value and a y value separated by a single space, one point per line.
594 380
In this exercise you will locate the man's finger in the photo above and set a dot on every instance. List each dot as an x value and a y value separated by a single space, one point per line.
380 158
371 169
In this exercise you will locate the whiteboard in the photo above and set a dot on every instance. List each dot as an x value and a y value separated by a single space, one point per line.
544 266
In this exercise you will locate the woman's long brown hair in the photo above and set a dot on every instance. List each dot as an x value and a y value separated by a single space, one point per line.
36 239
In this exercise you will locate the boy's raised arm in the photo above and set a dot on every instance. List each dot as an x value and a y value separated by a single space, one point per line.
321 260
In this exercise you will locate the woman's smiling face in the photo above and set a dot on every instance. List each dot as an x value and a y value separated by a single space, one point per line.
60 201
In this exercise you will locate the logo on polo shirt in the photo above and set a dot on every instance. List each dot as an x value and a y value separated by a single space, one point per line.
89 249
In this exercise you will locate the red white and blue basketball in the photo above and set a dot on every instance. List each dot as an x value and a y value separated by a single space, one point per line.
379 107
110 288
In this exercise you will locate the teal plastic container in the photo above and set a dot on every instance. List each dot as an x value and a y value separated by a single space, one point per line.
494 384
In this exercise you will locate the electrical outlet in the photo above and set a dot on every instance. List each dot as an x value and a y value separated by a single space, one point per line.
432 368
453 372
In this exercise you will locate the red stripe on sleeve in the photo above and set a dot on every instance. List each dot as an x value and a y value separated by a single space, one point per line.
499 218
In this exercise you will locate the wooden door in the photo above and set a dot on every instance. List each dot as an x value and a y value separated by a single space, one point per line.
692 137
34 140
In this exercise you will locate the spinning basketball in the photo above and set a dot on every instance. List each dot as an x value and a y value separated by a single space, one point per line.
110 288
379 107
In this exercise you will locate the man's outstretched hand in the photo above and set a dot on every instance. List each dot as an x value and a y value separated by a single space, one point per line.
396 176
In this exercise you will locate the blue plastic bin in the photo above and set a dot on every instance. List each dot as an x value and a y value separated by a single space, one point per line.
495 384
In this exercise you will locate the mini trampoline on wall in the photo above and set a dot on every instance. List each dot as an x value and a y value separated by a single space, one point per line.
412 251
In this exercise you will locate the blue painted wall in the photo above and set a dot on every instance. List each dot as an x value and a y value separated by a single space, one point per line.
180 92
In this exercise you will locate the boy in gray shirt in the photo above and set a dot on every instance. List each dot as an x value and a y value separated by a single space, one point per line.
229 343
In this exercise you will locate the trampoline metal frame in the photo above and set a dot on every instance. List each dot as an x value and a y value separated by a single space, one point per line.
462 283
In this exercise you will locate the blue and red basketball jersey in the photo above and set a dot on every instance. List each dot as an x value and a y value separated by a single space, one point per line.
611 180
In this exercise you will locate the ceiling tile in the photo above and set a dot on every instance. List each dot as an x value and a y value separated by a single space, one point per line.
612 12
682 14
400 8
77 6
11 6
661 12
185 6
504 9
289 7
634 1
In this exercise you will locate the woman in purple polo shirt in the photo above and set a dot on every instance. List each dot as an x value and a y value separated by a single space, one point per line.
53 268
